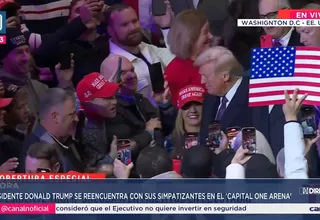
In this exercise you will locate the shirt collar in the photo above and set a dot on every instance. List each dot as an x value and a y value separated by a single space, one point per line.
233 90
286 38
58 142
115 49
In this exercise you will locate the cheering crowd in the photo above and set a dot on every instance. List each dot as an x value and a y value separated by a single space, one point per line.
116 87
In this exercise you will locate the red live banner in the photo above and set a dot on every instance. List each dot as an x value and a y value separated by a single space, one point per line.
299 14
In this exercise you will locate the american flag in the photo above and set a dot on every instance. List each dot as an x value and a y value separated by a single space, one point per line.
274 70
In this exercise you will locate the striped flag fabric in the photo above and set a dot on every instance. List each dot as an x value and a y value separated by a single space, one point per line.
274 70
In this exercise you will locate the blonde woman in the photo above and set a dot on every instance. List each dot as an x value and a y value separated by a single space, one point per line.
188 37
190 99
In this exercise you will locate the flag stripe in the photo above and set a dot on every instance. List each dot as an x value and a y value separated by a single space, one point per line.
280 91
280 102
280 97
277 69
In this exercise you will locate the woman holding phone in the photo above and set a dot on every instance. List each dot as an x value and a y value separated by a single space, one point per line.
188 120
188 37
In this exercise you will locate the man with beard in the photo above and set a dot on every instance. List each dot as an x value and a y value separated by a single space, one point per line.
126 40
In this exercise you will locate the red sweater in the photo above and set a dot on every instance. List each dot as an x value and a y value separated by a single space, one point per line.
180 73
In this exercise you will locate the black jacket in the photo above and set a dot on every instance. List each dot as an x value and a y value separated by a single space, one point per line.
237 113
69 158
131 119
10 144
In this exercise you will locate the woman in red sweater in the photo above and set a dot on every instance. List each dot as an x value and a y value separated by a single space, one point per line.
188 37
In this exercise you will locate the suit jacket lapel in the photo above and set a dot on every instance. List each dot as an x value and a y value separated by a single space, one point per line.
240 98
275 114
190 4
210 108
295 39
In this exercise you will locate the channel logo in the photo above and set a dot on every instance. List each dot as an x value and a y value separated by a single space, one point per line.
309 191
314 209
3 22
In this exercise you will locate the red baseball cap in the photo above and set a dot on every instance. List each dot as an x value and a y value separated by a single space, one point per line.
94 86
190 93
8 3
4 102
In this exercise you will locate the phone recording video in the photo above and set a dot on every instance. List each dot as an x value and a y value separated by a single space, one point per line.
123 144
308 121
159 8
249 140
157 78
214 135
191 140
124 156
232 132
43 170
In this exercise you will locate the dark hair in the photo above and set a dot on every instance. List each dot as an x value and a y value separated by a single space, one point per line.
113 8
44 151
153 161
197 163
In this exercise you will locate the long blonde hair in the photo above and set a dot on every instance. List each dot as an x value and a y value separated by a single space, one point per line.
177 136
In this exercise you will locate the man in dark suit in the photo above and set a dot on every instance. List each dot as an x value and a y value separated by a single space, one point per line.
269 120
228 88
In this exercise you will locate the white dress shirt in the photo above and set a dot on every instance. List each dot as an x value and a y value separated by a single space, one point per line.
195 3
231 93
152 53
284 42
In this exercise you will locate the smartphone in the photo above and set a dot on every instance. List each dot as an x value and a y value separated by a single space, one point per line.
119 71
125 156
214 134
232 132
157 78
266 41
65 55
249 139
43 170
123 143
191 140
159 8
158 137
308 121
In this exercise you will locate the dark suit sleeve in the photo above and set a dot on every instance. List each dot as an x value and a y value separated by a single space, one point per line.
26 145
313 162
95 147
69 32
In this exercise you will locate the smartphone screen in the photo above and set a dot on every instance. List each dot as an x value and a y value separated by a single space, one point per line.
125 156
232 132
249 140
159 8
157 78
119 70
214 134
123 143
308 121
191 140
65 55
266 41
43 170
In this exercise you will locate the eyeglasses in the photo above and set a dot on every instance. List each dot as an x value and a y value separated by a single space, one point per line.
271 15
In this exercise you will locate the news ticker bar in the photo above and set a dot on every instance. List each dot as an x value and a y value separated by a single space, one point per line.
278 22
67 208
